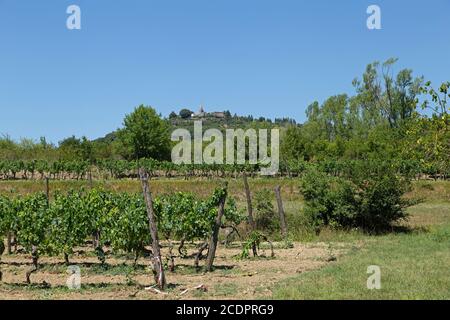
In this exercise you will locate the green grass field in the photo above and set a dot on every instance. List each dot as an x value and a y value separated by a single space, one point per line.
414 265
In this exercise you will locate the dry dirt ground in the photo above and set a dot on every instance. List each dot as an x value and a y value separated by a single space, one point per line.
232 278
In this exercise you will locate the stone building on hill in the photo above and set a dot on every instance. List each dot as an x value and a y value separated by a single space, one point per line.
201 114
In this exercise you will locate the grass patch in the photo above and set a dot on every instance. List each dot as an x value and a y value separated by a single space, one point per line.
413 266
225 289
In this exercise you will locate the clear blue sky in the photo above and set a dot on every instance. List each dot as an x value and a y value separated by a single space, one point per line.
266 58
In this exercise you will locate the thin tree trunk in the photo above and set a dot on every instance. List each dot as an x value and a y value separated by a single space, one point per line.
180 248
199 254
66 259
249 203
157 263
15 242
94 241
9 243
171 257
215 234
35 257
281 211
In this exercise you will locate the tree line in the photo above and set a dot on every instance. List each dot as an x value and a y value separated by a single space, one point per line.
128 169
400 118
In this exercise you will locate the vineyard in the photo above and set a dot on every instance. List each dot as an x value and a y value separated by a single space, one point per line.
116 220
122 169
106 233
66 225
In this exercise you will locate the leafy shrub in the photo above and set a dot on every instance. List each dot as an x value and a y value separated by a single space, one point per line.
329 201
265 213
128 225
253 243
381 202
6 214
184 216
369 199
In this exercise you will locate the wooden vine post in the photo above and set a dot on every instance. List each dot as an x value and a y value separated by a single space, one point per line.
249 202
158 270
215 233
281 211
251 220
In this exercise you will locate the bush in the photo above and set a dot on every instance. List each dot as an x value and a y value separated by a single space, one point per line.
265 213
382 203
372 203
329 201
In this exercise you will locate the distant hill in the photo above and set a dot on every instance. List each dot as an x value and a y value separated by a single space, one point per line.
218 120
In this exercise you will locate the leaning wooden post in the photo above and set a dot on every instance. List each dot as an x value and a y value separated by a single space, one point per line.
215 233
281 211
249 202
158 270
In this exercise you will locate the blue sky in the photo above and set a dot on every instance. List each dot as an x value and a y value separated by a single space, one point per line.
266 58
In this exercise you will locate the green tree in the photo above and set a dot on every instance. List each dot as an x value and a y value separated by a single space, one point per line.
145 135
172 115
384 97
70 149
292 144
428 137
86 150
185 113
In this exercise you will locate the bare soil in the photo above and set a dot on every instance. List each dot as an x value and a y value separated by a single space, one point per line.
232 278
